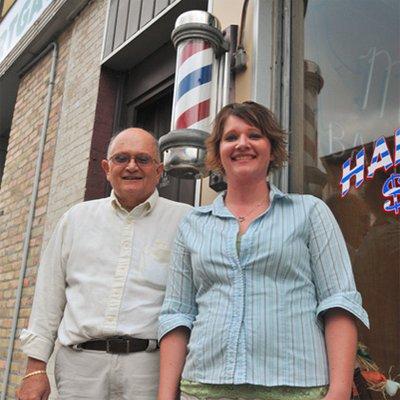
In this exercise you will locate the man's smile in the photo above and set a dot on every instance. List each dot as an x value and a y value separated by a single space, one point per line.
132 178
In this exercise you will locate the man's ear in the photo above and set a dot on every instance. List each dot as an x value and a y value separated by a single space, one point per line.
106 166
160 169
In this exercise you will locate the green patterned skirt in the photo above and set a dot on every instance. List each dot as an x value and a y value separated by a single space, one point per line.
202 391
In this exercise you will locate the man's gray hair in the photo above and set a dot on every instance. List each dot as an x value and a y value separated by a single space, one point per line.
155 143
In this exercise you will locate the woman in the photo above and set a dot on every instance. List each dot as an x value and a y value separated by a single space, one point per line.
261 299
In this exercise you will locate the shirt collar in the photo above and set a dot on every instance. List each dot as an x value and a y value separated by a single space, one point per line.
219 209
274 192
140 210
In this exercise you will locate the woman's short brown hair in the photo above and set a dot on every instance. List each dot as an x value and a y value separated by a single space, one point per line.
256 115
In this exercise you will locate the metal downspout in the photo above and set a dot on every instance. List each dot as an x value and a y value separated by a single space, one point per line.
28 230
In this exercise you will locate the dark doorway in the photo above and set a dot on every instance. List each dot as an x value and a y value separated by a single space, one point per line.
154 115
146 102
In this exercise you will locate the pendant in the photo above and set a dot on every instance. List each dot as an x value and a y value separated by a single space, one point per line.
241 219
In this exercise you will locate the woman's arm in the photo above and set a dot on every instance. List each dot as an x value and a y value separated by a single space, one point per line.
341 344
177 315
172 359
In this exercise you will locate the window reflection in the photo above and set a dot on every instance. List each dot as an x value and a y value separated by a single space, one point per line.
352 97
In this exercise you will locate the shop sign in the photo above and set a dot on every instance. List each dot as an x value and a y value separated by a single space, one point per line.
18 20
381 158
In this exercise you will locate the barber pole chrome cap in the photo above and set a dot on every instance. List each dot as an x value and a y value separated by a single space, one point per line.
198 40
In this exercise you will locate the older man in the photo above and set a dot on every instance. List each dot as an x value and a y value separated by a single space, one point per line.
101 283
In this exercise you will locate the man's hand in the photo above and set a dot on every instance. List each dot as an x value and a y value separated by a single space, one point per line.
35 387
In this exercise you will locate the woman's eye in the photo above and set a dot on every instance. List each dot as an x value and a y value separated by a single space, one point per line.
255 135
230 137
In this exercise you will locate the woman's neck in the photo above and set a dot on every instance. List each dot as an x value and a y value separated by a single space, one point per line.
245 193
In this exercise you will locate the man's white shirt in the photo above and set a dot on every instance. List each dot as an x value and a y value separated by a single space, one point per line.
103 273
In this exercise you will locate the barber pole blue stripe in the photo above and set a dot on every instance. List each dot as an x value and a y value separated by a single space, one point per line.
194 79
196 61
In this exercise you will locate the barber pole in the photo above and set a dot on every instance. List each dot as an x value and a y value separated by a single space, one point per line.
199 42
193 88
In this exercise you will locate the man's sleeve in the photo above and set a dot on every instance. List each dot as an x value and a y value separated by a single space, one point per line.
49 299
331 266
179 308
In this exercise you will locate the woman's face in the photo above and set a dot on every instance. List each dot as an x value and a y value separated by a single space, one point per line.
244 151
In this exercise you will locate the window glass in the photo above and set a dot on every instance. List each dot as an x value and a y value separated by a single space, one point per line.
351 99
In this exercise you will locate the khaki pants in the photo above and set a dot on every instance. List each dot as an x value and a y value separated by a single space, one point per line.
90 374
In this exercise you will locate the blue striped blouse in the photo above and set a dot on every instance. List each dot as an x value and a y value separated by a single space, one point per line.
255 317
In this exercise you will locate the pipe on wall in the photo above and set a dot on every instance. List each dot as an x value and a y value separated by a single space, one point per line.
28 230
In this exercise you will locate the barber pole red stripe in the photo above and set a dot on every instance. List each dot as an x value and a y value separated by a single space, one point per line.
192 47
193 115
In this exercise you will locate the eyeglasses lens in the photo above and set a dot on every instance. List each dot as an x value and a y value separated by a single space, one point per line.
142 159
122 159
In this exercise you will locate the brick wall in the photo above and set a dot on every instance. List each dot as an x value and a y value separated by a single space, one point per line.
64 167
78 113
15 193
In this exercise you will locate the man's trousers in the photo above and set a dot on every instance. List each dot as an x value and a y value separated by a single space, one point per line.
97 375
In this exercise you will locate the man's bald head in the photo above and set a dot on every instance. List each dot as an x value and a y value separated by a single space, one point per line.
138 132
132 180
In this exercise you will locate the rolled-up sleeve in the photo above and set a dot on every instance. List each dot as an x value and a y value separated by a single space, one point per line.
179 307
49 300
331 266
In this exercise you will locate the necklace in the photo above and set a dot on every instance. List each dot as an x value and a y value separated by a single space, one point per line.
242 218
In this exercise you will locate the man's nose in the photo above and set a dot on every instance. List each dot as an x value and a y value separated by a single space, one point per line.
132 164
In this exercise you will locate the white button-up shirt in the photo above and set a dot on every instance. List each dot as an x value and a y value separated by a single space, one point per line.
103 273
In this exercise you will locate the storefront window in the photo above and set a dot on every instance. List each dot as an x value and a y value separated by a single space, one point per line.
352 111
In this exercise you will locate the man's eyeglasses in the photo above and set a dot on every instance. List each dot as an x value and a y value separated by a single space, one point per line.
141 159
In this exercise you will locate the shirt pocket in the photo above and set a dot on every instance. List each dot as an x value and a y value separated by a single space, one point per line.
154 264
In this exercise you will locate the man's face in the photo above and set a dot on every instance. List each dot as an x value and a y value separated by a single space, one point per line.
133 181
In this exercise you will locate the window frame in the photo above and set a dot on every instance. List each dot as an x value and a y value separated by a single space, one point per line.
272 66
